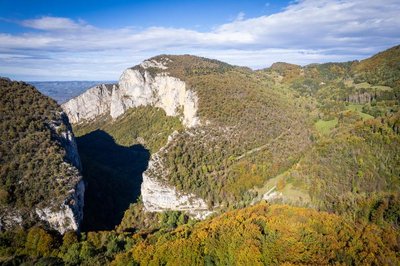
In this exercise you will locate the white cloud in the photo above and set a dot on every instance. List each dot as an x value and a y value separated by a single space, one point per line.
304 32
53 23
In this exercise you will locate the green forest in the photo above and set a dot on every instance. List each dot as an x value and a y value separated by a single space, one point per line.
32 172
259 235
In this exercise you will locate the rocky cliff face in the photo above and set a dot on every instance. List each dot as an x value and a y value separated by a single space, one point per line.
40 178
89 105
159 197
140 86
67 214
361 98
136 87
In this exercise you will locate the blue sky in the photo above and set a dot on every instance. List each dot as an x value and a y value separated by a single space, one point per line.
201 15
97 40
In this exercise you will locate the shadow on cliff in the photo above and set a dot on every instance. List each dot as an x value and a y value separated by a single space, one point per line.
113 176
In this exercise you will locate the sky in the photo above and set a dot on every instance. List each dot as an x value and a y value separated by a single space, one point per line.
96 40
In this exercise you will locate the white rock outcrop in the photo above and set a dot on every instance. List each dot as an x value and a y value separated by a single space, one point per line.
153 63
157 196
66 139
169 93
69 214
90 104
9 218
136 87
139 87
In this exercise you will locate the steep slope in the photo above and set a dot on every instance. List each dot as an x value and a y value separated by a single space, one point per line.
39 177
243 130
226 110
238 111
114 155
311 136
135 89
92 103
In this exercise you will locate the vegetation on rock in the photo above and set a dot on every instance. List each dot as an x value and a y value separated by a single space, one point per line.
33 168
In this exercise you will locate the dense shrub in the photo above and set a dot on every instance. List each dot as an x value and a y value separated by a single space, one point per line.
32 168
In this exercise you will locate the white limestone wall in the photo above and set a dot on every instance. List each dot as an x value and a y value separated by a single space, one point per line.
90 104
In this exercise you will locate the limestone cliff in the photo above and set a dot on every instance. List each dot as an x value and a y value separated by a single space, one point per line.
41 180
66 214
69 214
90 104
361 98
136 87
141 86
157 196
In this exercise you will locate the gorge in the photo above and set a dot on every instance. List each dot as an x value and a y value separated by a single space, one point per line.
136 87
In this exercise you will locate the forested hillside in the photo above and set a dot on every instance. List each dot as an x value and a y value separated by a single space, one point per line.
257 235
240 111
353 166
381 69
295 130
38 166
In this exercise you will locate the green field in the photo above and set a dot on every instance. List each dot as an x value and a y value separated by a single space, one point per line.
358 108
366 85
325 127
